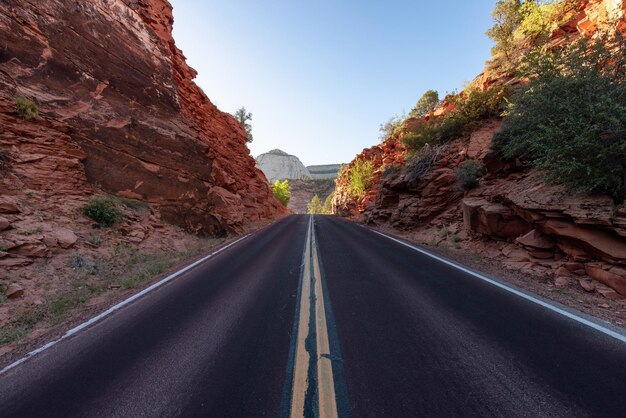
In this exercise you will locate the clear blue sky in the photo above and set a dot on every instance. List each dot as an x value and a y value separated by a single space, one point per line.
320 76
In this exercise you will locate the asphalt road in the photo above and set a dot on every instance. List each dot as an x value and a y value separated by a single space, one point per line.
325 318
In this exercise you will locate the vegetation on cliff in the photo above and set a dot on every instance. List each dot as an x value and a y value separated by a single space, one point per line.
570 120
520 24
360 177
243 116
282 191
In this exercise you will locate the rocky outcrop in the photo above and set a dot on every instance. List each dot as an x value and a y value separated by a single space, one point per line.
539 228
385 156
278 165
118 108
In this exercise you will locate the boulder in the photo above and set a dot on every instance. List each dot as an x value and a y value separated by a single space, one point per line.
615 282
32 249
587 285
14 291
536 239
65 238
597 241
9 204
607 292
4 223
492 219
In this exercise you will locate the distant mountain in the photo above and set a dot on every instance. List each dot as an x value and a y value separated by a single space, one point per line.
324 172
278 165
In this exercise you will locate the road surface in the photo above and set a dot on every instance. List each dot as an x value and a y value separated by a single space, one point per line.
322 317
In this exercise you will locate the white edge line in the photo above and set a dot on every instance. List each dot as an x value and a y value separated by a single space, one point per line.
118 306
521 294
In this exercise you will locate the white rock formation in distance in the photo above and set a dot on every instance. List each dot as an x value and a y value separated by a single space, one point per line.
278 165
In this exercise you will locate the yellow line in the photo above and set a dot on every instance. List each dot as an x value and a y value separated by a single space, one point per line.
300 382
327 402
326 386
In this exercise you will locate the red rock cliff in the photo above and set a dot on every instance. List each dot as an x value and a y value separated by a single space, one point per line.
119 109
554 230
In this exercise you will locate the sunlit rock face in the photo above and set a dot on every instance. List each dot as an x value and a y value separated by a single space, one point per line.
118 108
278 165
324 172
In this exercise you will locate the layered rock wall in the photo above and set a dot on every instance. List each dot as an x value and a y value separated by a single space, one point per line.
542 229
118 108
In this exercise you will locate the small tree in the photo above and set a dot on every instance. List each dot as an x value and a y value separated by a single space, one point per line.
282 191
315 206
328 204
507 17
390 127
243 117
427 103
468 173
360 177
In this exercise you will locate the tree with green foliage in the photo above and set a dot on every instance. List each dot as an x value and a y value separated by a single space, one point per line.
427 103
315 206
360 177
328 204
390 127
282 191
507 17
570 121
519 24
243 117
471 107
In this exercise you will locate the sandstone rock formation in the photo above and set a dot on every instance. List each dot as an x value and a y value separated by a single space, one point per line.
324 172
118 108
278 165
539 228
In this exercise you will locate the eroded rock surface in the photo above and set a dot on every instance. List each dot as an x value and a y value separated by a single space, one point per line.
118 107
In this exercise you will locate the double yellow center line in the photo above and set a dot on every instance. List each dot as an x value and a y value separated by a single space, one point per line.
313 385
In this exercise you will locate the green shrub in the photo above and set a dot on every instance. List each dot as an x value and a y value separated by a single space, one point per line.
427 103
436 131
519 24
423 132
477 105
360 177
468 174
571 120
95 240
471 107
453 126
26 108
102 210
391 127
282 191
